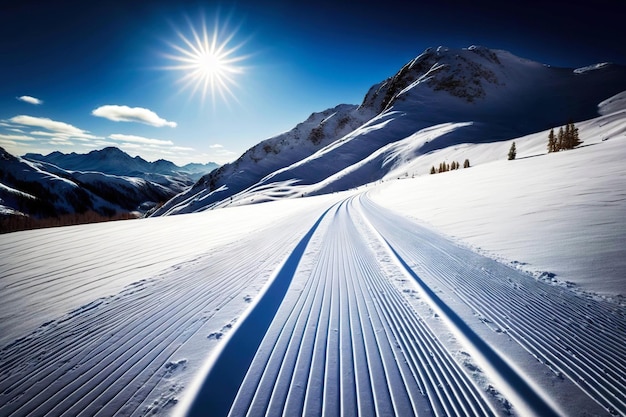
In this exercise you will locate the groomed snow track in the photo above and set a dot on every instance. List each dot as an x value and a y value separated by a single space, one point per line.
343 342
346 341
575 336
363 312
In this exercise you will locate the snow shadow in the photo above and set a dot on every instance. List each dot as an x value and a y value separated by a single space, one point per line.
219 389
532 399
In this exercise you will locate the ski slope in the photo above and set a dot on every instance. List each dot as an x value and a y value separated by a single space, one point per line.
377 301
340 308
113 309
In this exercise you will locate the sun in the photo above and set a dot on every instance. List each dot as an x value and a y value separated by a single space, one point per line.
210 63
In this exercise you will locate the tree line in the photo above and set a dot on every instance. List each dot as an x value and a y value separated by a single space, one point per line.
14 223
566 138
445 167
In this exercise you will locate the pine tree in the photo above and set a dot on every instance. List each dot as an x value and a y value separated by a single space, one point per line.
551 141
567 136
560 139
466 164
575 141
432 170
512 152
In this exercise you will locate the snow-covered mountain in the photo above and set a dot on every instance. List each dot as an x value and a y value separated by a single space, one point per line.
106 182
481 95
248 305
318 131
114 161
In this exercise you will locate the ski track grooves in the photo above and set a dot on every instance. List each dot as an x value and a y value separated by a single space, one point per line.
220 386
343 341
576 337
106 357
331 334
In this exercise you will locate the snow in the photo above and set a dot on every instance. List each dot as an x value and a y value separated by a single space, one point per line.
591 68
613 104
75 265
492 290
499 95
8 211
373 301
515 210
263 159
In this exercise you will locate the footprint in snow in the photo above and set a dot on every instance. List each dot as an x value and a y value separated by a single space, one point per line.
215 335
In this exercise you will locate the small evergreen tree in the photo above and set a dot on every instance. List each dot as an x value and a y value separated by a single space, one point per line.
567 136
466 164
432 170
512 152
575 140
551 141
560 139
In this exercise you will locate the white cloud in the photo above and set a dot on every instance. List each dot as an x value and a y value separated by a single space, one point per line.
140 140
31 100
220 154
127 145
151 149
61 142
62 129
16 137
131 114
103 143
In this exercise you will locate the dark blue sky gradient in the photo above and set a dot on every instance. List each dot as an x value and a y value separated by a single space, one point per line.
303 57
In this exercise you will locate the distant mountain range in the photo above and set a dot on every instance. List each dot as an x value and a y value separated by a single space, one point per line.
442 98
114 161
483 95
106 182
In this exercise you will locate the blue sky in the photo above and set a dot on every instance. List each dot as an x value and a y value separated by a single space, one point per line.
92 63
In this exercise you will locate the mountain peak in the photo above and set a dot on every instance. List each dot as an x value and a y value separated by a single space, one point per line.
114 161
5 156
109 150
468 95
462 73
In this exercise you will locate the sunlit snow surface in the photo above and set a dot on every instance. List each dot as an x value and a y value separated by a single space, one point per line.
344 304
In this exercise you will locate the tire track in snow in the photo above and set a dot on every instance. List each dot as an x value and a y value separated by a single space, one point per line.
345 341
576 337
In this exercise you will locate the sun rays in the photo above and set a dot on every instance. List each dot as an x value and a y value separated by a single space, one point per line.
209 60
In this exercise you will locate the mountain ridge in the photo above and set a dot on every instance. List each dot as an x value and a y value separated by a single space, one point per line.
492 95
110 183
112 160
